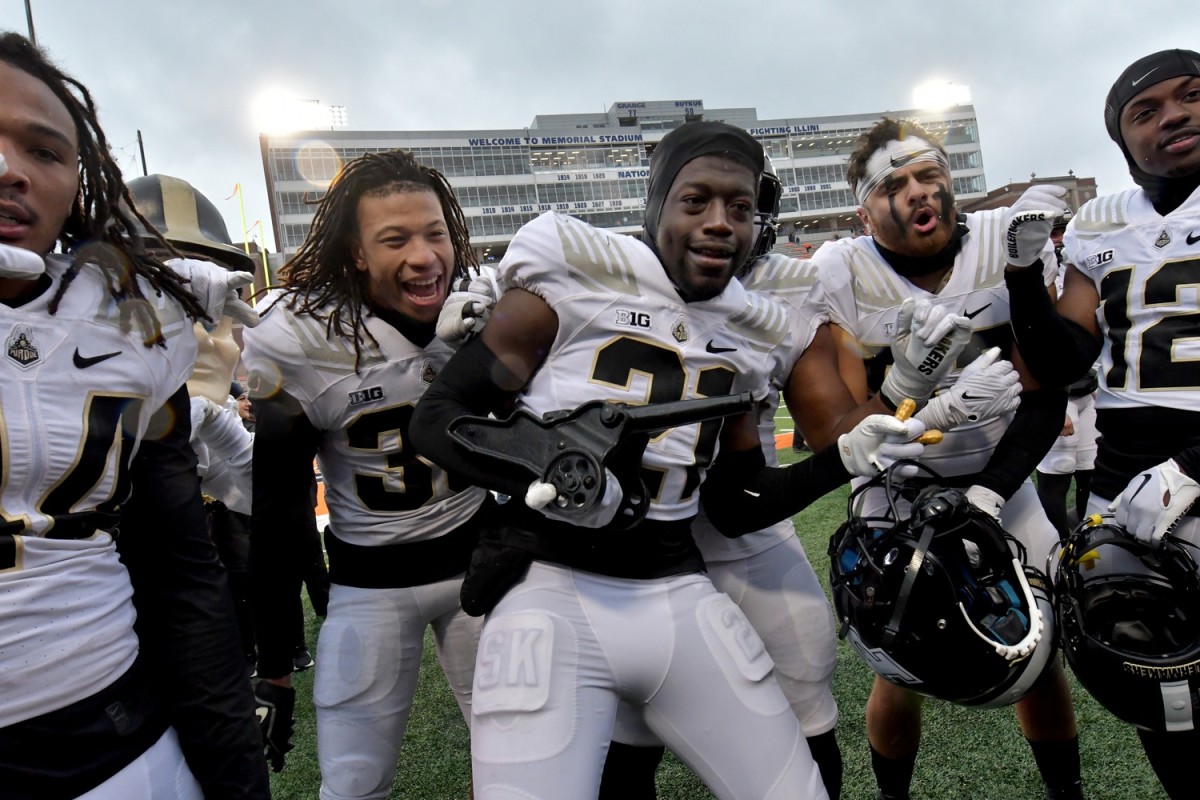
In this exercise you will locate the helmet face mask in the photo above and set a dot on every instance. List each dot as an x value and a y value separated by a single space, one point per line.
935 601
766 217
1129 617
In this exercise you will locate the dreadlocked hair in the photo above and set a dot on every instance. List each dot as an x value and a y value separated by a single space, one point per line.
322 280
882 132
101 230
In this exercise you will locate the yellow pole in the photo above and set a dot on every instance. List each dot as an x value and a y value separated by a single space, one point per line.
242 207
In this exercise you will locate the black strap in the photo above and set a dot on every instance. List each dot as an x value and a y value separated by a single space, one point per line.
892 629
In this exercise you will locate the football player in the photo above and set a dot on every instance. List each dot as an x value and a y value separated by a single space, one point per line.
115 668
765 572
919 246
1126 298
344 351
585 614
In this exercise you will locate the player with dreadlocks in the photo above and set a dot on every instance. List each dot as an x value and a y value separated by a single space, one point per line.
117 665
345 349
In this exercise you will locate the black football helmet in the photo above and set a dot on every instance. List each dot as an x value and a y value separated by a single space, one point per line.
937 601
766 217
1129 619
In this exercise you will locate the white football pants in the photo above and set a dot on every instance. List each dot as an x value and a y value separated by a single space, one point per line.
564 647
160 773
368 660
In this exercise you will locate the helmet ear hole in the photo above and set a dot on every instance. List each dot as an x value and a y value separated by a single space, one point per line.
1129 615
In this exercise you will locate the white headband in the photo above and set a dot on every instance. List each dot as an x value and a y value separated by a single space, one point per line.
892 156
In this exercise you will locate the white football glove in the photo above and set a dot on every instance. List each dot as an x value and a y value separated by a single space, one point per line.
1029 221
878 441
986 388
542 496
985 500
216 289
927 342
467 310
17 262
202 413
20 264
1154 501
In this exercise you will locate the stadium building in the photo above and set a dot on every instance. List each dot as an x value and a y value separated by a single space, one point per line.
595 167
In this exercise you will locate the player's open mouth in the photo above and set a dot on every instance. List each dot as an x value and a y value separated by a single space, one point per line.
12 226
925 220
711 257
424 291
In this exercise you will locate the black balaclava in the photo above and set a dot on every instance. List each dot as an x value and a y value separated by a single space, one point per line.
1165 193
687 142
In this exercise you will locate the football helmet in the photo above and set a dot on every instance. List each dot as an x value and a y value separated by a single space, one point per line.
935 600
1129 620
187 219
766 217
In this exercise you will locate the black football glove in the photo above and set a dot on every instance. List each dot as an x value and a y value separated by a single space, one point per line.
275 707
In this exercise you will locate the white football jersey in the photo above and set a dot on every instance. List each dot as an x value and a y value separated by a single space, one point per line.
378 489
76 397
1146 269
789 280
863 296
625 335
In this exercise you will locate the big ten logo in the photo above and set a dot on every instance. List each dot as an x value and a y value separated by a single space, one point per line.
632 319
1098 259
512 657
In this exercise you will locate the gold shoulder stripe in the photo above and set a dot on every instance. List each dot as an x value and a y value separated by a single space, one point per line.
762 322
1103 214
990 255
875 286
778 274
598 259
334 355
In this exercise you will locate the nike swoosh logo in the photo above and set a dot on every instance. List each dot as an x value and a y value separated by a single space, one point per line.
1139 80
974 396
1192 239
976 312
83 362
1142 485
712 348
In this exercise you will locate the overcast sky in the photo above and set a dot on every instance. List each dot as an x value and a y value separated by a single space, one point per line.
187 73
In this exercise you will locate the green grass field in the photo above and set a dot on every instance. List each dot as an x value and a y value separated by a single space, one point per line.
965 753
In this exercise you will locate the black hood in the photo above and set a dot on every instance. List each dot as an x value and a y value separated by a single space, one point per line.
687 142
1165 193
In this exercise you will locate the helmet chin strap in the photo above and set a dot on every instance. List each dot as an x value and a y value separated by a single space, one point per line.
1023 648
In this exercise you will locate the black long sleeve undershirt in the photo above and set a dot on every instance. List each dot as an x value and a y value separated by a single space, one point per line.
285 443
471 384
1035 425
1056 350
186 626
741 494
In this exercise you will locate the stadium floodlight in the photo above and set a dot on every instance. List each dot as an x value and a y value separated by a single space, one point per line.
281 111
939 95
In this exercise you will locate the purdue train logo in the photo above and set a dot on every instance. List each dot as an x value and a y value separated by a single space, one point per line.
1164 238
679 330
428 372
22 348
